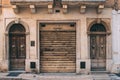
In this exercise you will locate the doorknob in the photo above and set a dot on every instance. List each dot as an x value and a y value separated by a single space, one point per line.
21 46
13 46
93 46
101 46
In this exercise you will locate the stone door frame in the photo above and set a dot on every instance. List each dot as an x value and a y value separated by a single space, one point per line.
6 55
106 22
77 38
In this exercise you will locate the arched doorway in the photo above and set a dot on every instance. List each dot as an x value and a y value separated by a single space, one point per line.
98 47
17 47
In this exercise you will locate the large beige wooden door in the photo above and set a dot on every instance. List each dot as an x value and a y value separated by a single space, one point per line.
98 47
17 47
57 48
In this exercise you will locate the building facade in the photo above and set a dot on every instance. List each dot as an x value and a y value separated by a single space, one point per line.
59 36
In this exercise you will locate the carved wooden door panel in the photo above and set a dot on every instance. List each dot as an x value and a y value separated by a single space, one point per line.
98 52
17 48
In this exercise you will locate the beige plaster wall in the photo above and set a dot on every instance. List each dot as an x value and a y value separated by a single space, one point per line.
82 52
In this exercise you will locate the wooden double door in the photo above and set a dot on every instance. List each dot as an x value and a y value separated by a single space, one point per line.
98 52
17 51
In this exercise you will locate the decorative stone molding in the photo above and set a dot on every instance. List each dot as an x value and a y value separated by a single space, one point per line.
100 9
17 20
82 9
50 9
32 9
15 8
29 2
105 21
65 8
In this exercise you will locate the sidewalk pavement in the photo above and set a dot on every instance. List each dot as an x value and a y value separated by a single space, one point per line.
59 76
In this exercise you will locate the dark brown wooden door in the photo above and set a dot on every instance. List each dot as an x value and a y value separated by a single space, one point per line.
57 48
17 50
98 52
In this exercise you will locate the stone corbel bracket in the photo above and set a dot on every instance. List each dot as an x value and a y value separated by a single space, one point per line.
50 8
100 9
15 8
82 9
32 9
65 9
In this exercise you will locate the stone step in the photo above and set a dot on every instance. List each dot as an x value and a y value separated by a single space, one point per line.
101 78
11 79
99 72
100 75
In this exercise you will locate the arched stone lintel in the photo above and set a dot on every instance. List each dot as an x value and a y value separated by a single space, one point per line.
20 22
105 22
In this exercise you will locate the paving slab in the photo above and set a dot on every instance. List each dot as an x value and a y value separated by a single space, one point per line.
61 76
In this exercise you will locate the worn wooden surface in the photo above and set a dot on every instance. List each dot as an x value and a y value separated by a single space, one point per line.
17 47
98 52
57 49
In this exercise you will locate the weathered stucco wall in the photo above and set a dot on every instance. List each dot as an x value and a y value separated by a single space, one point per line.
32 20
115 39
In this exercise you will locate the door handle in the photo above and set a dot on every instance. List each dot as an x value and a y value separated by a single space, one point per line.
101 46
21 46
93 46
13 46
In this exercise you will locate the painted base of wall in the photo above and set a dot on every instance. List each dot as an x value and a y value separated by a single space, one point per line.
28 65
110 67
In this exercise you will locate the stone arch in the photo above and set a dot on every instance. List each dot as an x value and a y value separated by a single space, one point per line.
106 25
20 22
97 28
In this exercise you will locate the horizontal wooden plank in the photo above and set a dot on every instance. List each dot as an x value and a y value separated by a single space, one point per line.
70 45
57 67
62 43
71 30
62 54
57 61
57 70
57 35
68 40
58 64
60 59
59 41
55 52
57 56
56 32
61 48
